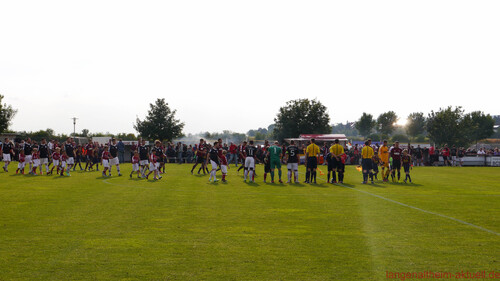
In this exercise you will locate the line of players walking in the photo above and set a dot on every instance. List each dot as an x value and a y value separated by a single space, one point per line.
147 161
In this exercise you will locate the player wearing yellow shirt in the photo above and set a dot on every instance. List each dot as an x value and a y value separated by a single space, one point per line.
383 155
334 162
366 161
312 153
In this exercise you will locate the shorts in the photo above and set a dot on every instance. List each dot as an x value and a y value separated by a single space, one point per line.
332 164
396 164
445 158
55 162
27 159
200 160
214 164
340 167
275 163
6 157
366 164
250 163
44 161
105 163
292 166
20 165
453 158
375 167
63 164
135 167
143 162
406 167
223 168
153 166
267 167
36 162
384 164
312 162
114 161
70 161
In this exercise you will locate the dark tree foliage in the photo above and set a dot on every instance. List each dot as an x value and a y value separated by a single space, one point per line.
477 126
365 124
386 122
6 115
302 116
160 123
415 124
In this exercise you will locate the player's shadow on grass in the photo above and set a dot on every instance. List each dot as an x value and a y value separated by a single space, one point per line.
404 184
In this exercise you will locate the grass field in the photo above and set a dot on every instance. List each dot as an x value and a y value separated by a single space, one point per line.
184 228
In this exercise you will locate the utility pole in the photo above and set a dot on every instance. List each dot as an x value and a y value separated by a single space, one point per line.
74 125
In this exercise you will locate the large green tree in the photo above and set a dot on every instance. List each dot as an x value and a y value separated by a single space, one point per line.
302 116
477 126
6 115
415 124
365 124
445 126
386 122
160 123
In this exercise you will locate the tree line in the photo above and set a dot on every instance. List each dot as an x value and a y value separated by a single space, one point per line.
452 126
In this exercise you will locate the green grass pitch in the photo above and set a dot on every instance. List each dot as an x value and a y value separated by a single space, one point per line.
183 228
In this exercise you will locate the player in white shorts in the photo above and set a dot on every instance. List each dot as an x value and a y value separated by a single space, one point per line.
250 152
213 157
153 167
6 148
56 159
36 160
20 165
105 161
135 164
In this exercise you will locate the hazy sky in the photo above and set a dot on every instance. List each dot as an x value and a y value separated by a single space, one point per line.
233 64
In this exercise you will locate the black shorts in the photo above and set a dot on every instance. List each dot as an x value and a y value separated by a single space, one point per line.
396 164
406 167
312 162
366 164
445 158
267 167
200 160
375 167
332 164
340 167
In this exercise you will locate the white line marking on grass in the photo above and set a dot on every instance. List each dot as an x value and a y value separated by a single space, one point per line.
418 209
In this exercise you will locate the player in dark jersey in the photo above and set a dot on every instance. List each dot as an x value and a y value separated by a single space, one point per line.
7 149
241 155
213 157
396 153
406 160
70 153
200 157
143 157
267 163
292 160
375 164
158 151
28 150
250 153
90 153
113 151
43 149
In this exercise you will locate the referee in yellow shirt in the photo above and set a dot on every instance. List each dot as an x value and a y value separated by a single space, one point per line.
312 152
334 162
366 161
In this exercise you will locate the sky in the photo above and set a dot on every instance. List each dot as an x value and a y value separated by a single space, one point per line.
230 65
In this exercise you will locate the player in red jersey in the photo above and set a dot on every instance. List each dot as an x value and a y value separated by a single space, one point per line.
56 156
90 153
201 153
154 166
396 153
242 155
20 165
35 157
135 164
105 160
64 160
224 165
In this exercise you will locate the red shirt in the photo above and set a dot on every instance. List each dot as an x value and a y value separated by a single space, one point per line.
56 156
135 160
35 155
396 153
233 148
64 157
219 151
223 160
105 155
153 158
201 150
446 152
21 158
